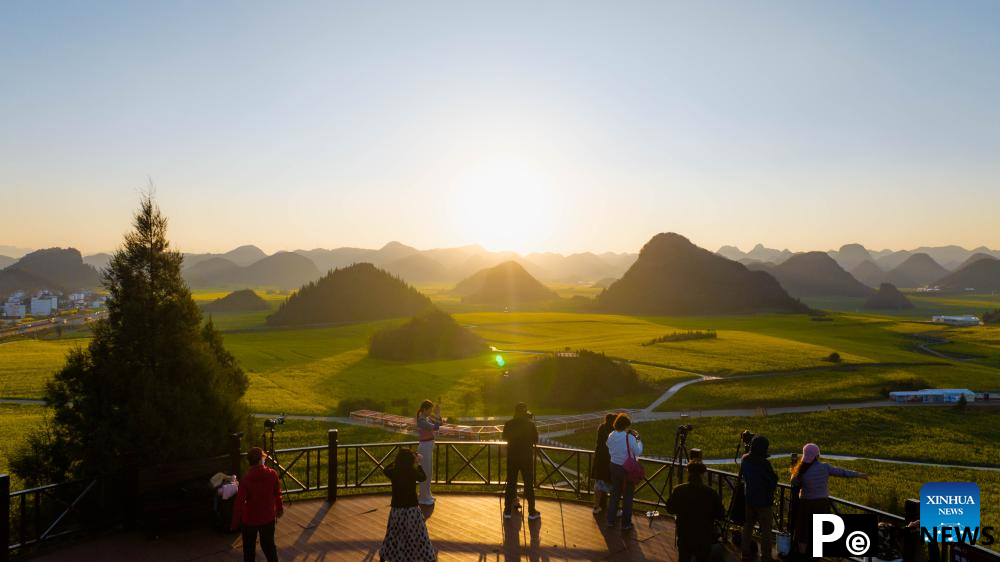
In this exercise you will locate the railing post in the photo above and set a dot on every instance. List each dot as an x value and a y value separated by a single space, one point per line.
5 517
235 453
331 465
911 535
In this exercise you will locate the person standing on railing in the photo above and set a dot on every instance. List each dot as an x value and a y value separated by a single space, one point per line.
428 422
810 476
622 444
258 506
600 470
697 508
521 436
406 538
760 482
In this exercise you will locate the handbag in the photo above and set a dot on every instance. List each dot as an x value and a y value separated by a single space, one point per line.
634 472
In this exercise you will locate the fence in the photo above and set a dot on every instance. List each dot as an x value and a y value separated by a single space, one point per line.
41 514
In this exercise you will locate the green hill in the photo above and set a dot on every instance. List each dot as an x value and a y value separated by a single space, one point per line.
917 270
888 297
432 334
355 293
244 300
815 274
673 276
507 284
980 276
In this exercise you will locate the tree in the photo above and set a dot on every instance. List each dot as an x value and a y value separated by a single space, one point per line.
154 384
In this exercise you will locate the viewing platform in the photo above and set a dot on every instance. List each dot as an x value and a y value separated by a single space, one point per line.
462 527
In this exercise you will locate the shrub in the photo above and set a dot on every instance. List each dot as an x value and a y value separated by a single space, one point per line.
833 357
584 379
683 336
432 334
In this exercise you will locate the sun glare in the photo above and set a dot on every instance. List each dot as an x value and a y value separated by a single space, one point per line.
504 204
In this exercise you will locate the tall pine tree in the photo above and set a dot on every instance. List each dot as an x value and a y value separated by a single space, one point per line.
154 385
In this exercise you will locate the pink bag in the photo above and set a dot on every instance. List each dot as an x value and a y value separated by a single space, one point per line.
634 472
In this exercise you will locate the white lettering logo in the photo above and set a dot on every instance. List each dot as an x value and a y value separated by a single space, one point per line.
857 542
819 538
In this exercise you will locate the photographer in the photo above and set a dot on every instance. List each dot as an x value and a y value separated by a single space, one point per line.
258 505
760 482
697 507
622 444
521 436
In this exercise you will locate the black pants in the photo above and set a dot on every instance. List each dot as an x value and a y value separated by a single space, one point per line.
524 465
266 542
700 552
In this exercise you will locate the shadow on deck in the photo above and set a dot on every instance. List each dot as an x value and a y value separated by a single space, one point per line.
462 527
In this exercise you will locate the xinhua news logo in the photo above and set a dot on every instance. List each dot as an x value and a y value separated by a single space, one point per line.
843 536
949 512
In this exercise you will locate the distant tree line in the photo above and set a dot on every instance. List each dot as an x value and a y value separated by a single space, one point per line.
582 380
683 336
432 334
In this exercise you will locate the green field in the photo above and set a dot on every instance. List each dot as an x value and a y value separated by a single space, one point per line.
931 434
15 424
25 365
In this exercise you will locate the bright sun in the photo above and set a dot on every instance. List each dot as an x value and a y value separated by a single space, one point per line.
504 204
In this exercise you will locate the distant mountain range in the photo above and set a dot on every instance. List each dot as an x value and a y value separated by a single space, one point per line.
850 256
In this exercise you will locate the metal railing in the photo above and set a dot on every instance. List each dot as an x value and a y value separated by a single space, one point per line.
44 513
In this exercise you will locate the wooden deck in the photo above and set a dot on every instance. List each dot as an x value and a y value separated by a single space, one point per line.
462 528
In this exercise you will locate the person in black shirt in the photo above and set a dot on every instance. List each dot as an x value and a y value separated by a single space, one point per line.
760 482
697 508
406 535
521 436
600 471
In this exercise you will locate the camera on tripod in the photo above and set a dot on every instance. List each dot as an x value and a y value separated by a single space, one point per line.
684 429
272 423
746 437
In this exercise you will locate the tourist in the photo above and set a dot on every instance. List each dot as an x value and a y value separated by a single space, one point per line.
622 444
759 482
600 470
258 505
428 421
810 475
521 436
406 538
697 507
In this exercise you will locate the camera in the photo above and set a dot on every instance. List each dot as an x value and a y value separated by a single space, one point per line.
747 436
271 423
684 429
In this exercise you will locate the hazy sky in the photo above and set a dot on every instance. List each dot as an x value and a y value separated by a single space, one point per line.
537 126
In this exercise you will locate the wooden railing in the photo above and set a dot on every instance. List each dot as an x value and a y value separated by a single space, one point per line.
41 514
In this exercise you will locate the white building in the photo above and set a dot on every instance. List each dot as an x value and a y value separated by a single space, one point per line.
14 309
931 395
956 320
45 305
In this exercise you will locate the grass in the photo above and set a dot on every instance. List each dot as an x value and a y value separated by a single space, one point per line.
820 386
27 364
902 433
15 423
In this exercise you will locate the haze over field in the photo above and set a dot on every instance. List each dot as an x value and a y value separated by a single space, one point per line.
584 127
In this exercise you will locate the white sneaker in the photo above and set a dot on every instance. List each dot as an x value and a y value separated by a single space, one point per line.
534 515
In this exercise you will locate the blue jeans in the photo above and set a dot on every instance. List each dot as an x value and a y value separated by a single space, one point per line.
620 489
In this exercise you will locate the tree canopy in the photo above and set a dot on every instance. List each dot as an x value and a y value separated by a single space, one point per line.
153 385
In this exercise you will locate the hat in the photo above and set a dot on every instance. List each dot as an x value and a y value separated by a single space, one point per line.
810 452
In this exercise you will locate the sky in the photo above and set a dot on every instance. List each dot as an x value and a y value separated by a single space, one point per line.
552 126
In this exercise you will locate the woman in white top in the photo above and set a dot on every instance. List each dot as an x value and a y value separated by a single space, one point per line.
622 443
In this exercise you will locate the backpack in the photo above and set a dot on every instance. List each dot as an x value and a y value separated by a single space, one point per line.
634 472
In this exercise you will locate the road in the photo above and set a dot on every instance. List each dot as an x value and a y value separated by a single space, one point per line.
41 326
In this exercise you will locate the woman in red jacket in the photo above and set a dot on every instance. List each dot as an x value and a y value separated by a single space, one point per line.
258 505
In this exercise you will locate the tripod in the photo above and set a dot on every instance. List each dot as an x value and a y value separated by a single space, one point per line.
680 459
267 440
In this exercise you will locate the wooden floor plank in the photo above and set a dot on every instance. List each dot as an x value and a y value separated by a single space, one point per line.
463 527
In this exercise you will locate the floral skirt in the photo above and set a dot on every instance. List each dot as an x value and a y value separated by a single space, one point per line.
406 538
